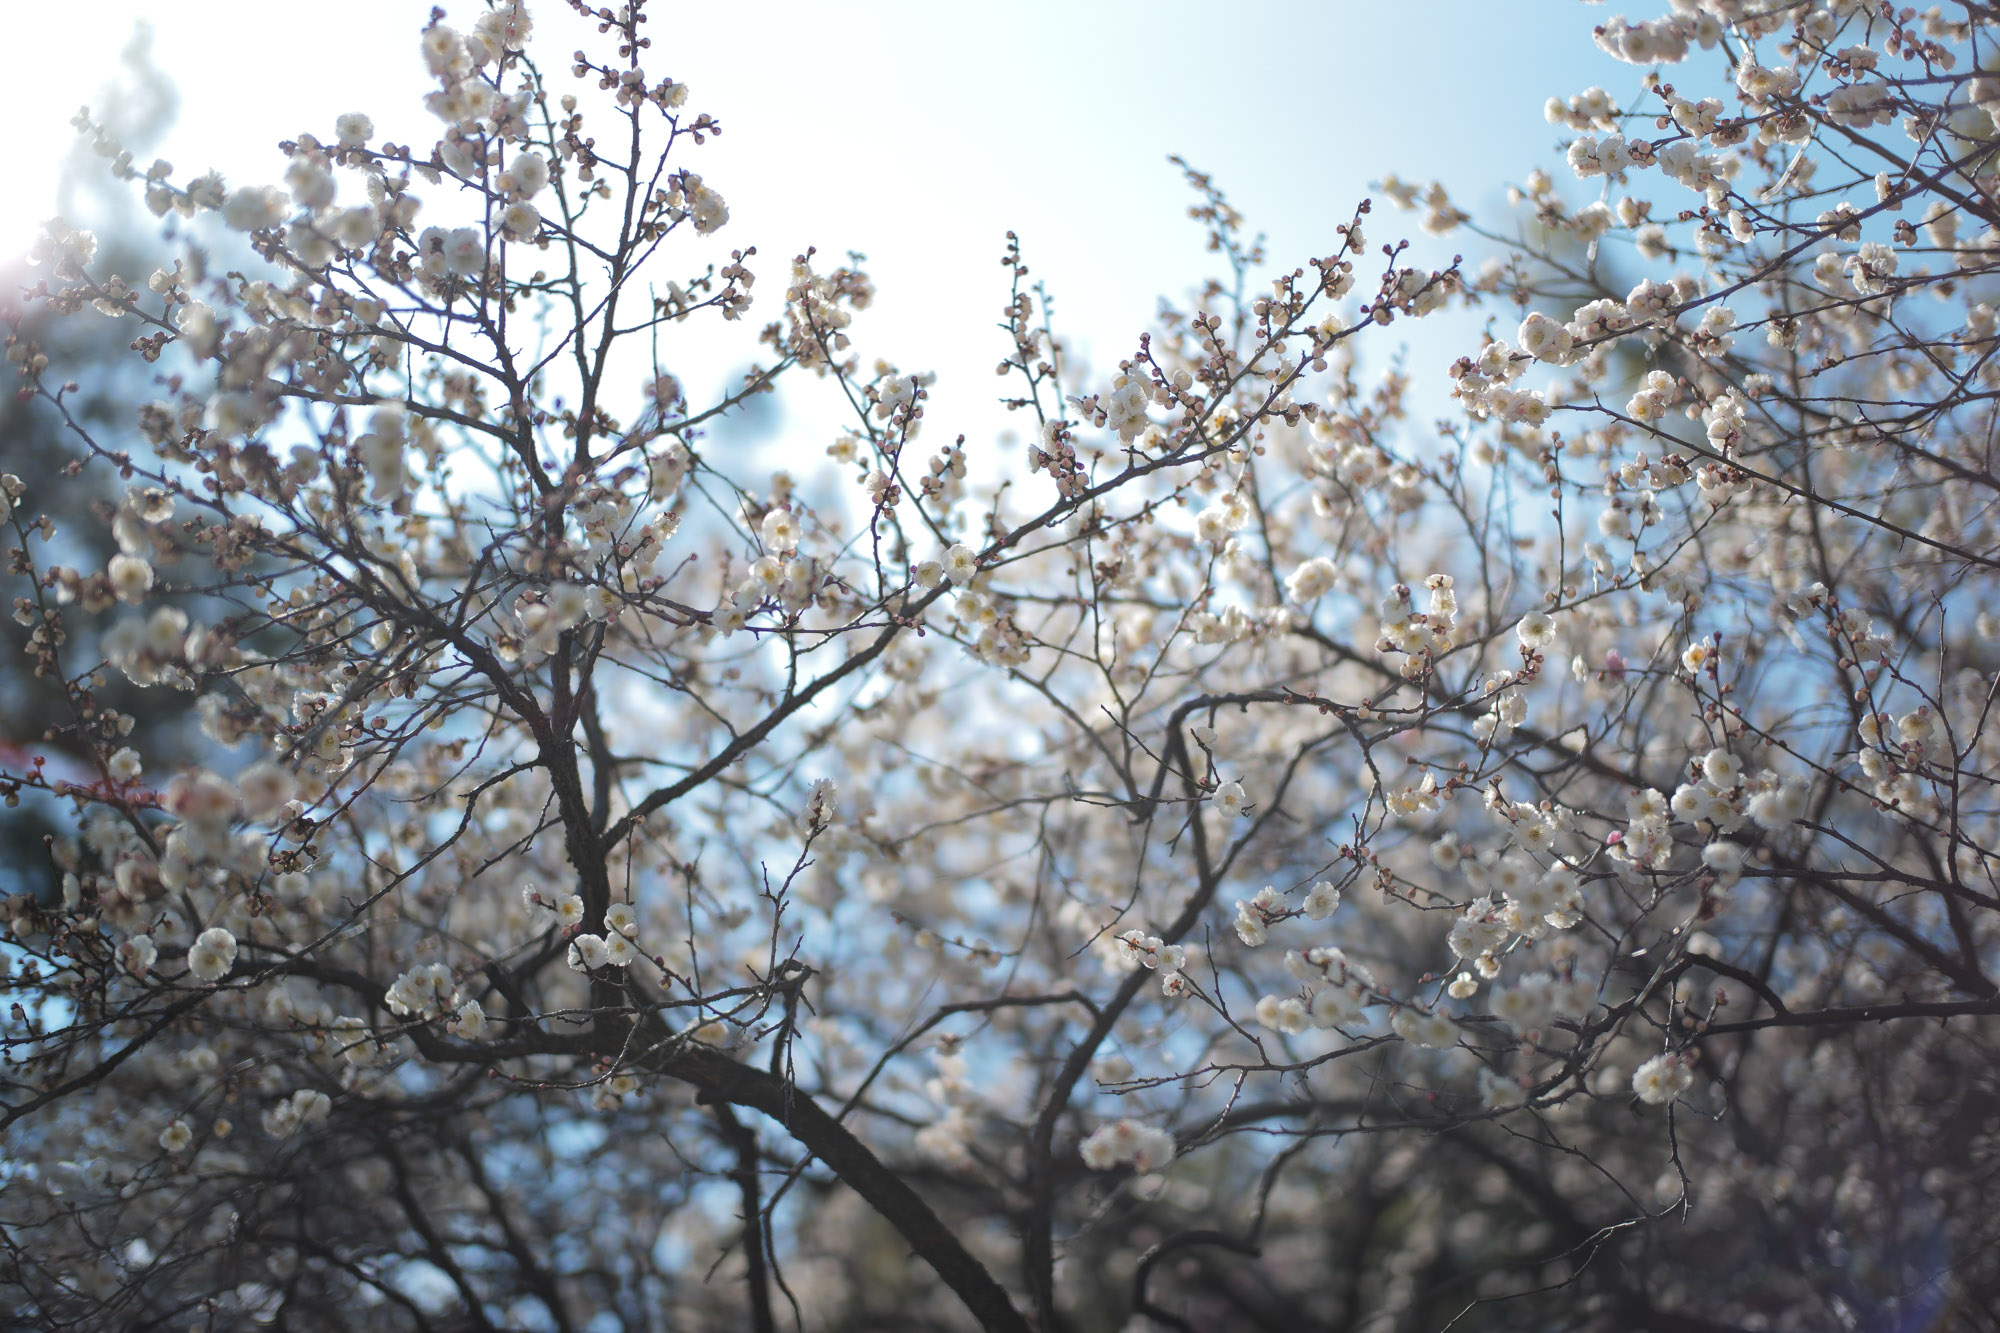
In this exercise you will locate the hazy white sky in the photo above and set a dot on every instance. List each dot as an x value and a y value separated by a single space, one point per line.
918 133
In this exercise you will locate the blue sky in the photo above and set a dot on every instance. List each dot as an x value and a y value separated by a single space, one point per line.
919 133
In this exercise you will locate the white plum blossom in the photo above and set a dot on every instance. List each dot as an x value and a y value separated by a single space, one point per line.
1125 406
1321 900
1144 1148
780 530
618 950
1136 949
212 954
254 208
354 129
302 1110
1287 1015
530 172
1546 339
468 1021
1312 580
1423 1028
821 804
1231 800
131 578
960 565
138 954
620 918
1661 1079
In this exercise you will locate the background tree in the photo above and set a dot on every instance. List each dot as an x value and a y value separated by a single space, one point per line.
138 106
1255 862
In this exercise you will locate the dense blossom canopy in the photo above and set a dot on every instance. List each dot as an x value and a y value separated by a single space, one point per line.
1255 858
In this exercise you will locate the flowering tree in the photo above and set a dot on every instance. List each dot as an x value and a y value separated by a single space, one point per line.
1259 864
